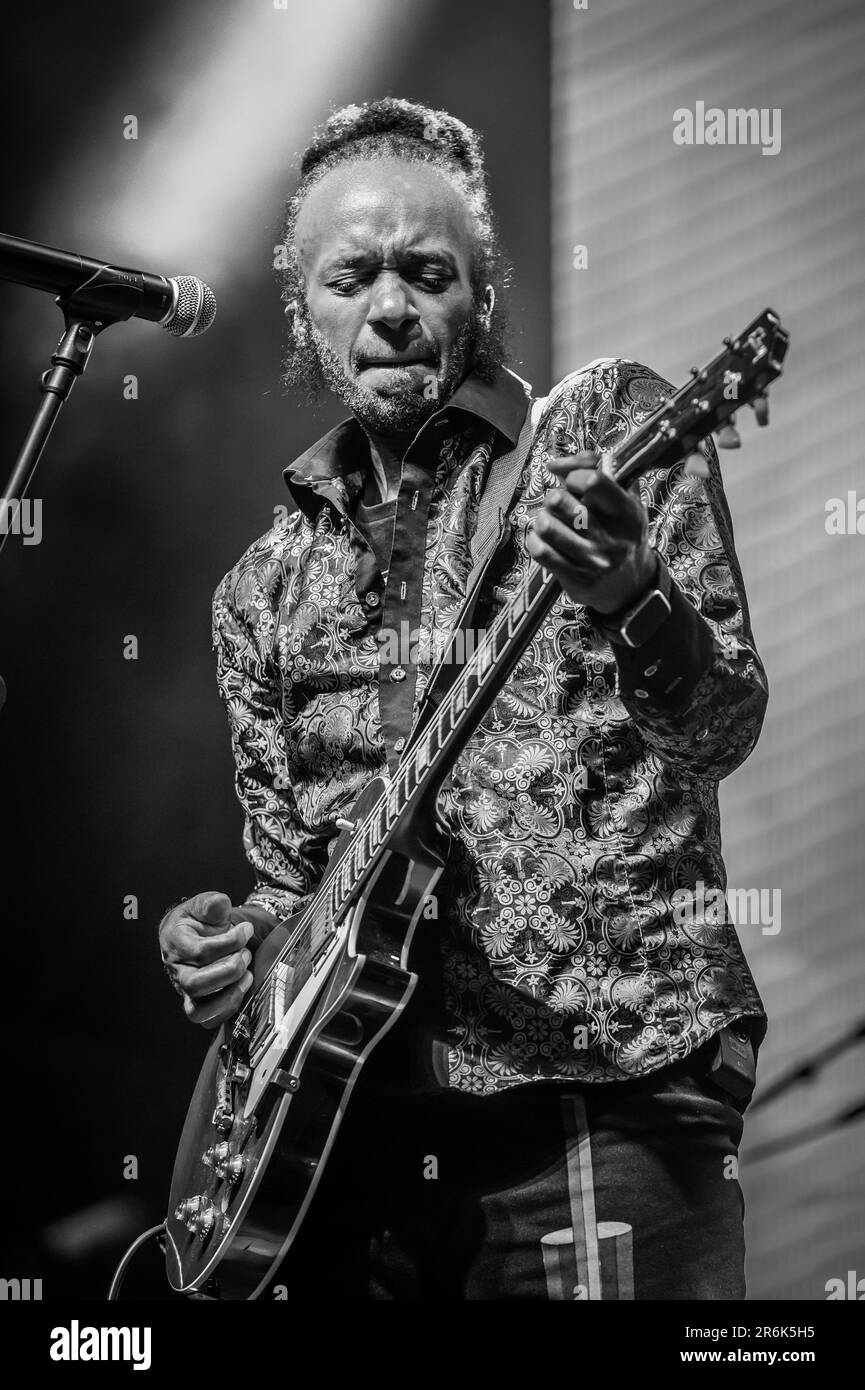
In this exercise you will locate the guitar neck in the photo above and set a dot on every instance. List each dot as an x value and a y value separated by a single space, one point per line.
475 689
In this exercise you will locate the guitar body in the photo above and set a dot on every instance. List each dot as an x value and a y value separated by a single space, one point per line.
259 1131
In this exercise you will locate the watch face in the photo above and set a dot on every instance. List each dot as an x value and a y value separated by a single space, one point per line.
639 626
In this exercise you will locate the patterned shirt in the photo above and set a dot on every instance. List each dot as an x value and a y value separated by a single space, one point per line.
573 939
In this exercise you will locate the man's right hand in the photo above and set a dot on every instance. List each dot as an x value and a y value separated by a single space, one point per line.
204 950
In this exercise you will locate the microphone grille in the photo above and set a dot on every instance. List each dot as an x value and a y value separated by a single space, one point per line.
194 307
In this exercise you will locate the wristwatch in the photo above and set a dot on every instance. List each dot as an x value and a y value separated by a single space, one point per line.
634 625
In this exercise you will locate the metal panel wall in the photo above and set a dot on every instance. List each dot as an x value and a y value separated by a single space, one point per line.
684 243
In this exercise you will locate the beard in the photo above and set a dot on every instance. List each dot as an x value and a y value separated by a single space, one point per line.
404 403
311 365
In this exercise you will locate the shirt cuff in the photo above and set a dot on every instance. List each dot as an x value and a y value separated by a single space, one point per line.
263 919
664 670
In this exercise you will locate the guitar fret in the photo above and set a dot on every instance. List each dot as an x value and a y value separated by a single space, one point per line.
404 780
420 760
441 736
358 860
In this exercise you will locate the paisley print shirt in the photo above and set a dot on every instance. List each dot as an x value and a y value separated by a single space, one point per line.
585 806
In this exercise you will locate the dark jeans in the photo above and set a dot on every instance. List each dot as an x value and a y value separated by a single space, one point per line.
631 1187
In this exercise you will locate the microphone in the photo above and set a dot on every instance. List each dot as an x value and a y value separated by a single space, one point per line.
183 304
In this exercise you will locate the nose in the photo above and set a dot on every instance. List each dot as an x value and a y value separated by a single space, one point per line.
390 304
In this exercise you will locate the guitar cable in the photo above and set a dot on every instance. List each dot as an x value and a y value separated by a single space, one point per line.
120 1271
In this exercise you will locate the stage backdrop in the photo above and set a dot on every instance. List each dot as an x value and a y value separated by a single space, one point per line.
685 242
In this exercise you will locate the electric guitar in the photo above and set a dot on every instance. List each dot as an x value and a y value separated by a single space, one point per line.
334 977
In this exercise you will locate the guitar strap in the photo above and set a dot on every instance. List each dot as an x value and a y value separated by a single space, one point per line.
429 1059
492 533
503 476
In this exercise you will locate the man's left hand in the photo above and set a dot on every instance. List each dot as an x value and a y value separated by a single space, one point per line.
605 562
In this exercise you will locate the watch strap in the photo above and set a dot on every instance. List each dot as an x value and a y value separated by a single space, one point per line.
636 623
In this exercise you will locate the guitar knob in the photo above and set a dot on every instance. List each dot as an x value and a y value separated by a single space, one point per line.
232 1168
223 1119
197 1214
216 1154
204 1220
186 1209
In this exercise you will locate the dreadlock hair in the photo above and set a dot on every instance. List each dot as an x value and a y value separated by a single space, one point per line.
392 127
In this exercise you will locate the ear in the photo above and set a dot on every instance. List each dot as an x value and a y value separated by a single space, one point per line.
292 312
489 301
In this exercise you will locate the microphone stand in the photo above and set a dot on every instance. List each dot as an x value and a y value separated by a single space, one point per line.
84 316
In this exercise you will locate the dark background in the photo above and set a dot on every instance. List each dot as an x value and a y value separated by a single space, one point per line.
118 773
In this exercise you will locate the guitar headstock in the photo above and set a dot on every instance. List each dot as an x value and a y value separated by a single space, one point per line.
739 375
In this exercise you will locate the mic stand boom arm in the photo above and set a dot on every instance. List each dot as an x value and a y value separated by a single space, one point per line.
83 322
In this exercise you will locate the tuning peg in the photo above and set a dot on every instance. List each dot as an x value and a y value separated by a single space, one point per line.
696 465
761 409
728 435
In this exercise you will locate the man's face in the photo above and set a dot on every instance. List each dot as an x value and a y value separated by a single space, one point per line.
385 247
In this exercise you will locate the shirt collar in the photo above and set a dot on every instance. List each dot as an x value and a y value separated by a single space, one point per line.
326 467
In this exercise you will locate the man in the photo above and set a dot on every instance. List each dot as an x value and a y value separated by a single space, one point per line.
544 1122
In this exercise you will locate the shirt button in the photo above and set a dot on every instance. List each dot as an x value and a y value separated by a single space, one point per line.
372 598
399 745
642 694
397 674
650 671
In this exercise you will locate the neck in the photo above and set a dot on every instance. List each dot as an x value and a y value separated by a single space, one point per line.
386 452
